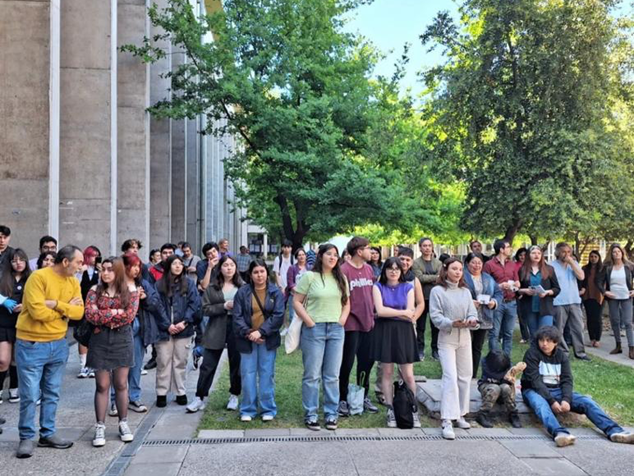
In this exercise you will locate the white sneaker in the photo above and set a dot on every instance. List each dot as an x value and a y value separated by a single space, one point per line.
124 432
391 419
113 410
14 396
100 435
416 419
245 418
267 417
233 403
462 423
447 430
143 372
623 437
195 405
84 373
565 439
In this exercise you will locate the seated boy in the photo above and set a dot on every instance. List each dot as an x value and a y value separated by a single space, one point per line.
498 383
547 390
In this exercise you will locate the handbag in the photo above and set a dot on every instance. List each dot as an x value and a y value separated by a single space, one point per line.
291 341
83 332
356 395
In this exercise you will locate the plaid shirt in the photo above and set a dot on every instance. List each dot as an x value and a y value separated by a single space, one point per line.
243 261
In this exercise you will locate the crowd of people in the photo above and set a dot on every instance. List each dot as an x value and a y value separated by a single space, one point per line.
351 307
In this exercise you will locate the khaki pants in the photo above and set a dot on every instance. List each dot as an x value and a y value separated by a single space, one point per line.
171 365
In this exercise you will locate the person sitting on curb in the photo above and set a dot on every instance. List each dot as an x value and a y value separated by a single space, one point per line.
547 389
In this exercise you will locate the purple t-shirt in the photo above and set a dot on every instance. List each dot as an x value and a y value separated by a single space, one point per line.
360 281
395 298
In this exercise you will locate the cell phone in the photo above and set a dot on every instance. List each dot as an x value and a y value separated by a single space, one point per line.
98 260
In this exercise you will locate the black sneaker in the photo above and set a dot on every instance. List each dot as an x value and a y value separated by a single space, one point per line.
434 355
343 409
181 399
161 401
54 441
421 355
151 364
313 425
331 424
514 418
369 407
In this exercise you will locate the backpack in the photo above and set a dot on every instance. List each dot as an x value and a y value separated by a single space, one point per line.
404 405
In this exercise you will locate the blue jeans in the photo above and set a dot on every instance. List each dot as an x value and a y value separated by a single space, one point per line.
322 351
40 367
503 326
580 404
259 363
535 322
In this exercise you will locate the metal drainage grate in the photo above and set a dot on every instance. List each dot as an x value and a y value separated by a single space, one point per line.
310 439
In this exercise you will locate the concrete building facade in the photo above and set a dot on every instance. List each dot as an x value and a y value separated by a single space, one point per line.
80 157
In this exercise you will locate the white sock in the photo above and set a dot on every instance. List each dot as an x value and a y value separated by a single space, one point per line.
82 360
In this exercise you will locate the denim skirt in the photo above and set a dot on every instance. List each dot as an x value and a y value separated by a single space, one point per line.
110 349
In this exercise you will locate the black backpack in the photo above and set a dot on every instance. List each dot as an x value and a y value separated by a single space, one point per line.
404 405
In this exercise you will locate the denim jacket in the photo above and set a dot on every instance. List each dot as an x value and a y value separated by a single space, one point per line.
243 312
490 287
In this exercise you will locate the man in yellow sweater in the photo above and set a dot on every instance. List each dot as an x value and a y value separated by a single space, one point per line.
52 296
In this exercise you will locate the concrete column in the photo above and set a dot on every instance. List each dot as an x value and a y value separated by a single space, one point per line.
179 166
133 98
193 184
86 152
27 94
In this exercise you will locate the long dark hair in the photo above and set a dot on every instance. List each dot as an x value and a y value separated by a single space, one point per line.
8 274
389 263
218 279
599 265
442 277
525 270
336 271
169 281
119 284
42 257
378 250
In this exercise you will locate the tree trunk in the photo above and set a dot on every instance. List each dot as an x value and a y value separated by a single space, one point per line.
512 230
533 238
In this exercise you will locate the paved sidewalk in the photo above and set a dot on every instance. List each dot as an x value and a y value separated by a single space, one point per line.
607 344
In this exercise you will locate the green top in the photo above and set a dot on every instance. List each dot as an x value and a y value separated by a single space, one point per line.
323 298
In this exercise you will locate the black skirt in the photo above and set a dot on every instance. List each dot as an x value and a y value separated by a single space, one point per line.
394 341
7 334
110 349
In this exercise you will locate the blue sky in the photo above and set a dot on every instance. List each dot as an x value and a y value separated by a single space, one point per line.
389 24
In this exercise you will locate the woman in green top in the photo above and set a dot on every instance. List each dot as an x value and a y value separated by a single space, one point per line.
321 302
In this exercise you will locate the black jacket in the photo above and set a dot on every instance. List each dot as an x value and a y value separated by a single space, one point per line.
8 319
546 304
215 334
559 366
181 308
274 306
602 279
149 312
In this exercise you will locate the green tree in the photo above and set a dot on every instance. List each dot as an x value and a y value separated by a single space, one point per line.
523 109
294 87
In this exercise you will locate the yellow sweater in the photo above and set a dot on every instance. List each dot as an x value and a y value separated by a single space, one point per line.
37 322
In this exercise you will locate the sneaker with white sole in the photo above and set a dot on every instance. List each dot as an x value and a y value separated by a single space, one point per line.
462 423
14 396
137 407
246 418
369 407
391 418
447 430
195 405
623 437
91 373
268 417
233 402
84 373
416 419
343 409
124 432
113 410
565 439
143 372
100 435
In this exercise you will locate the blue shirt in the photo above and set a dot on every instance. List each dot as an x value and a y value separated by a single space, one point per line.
536 280
568 283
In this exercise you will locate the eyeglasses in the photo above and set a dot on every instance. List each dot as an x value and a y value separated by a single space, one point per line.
394 270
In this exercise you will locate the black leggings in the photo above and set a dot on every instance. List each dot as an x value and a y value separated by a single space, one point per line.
356 344
211 357
477 342
595 321
421 323
102 392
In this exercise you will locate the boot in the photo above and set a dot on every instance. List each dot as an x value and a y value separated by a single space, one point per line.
632 352
616 350
514 418
483 419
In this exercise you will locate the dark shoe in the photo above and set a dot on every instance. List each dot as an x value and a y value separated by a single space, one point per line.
343 409
161 401
616 350
2 421
181 399
514 418
369 407
483 419
584 357
331 424
380 398
421 355
151 364
313 425
25 449
137 406
54 441
631 354
435 356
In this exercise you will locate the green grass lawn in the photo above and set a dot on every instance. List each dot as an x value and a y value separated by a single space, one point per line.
611 385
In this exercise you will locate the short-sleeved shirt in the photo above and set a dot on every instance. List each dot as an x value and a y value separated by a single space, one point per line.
323 298
502 273
360 282
280 266
569 293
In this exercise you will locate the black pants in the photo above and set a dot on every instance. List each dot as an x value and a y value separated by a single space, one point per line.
421 323
595 321
524 330
356 344
211 357
477 343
